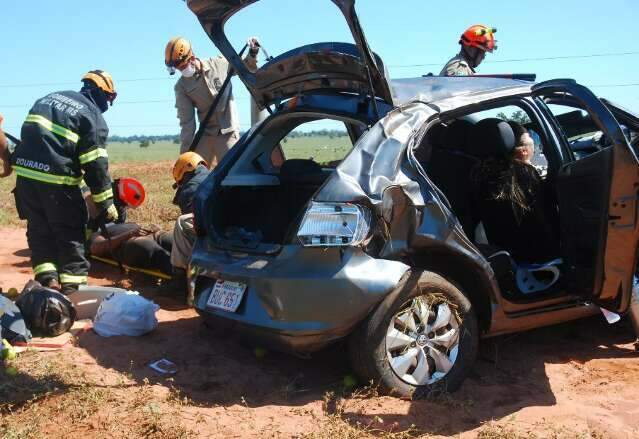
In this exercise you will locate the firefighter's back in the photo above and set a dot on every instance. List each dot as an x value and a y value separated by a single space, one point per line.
50 135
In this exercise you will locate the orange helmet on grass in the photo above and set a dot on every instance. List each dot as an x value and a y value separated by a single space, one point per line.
480 36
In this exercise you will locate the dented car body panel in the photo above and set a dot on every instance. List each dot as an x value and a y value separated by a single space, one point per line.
319 295
291 300
301 298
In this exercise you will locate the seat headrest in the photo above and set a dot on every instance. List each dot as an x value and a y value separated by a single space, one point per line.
457 135
492 137
299 167
518 130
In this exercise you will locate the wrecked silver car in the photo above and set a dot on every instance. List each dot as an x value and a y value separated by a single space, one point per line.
395 248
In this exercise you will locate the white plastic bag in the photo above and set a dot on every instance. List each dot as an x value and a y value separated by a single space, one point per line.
125 314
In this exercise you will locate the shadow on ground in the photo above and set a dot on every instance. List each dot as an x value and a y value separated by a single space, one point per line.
19 388
217 369
509 375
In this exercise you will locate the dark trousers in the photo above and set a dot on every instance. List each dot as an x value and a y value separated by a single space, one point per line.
56 221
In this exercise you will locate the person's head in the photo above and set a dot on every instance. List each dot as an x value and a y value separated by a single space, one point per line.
476 41
498 172
185 165
98 86
178 55
524 144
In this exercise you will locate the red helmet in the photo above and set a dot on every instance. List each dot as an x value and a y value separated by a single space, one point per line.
480 36
131 192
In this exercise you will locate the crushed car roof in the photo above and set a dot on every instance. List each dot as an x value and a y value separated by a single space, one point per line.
433 89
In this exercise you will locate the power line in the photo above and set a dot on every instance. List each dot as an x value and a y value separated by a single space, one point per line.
167 78
246 98
544 58
635 84
52 84
156 101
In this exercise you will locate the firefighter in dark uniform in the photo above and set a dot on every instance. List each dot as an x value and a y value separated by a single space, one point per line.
63 141
475 42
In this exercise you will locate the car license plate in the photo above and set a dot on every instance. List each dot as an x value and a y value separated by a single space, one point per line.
226 295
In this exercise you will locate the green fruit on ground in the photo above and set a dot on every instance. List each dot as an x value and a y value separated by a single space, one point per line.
350 381
11 371
8 354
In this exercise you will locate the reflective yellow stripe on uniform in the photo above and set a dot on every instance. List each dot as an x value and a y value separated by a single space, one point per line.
98 198
54 128
44 267
93 155
46 178
73 279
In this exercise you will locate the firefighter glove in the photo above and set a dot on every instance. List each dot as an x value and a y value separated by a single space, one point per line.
110 214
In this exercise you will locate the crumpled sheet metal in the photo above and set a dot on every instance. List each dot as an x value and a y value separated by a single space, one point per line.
439 88
376 161
377 173
301 282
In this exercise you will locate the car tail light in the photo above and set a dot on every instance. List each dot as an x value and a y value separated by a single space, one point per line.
334 224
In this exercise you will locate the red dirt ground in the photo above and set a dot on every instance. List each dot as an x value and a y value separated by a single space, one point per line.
574 380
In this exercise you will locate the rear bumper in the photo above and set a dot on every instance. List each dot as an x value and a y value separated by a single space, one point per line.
300 300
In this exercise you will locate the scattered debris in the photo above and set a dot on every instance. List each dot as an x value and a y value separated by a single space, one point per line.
164 366
610 316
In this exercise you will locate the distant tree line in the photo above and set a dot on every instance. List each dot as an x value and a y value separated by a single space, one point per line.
516 116
146 141
141 138
317 133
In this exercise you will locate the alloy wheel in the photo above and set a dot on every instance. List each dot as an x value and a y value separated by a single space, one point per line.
422 340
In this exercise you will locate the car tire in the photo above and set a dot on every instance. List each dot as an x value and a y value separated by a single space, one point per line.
371 360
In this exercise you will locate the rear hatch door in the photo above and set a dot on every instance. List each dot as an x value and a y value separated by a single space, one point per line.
340 67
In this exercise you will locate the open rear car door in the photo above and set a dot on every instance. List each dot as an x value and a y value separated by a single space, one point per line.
597 203
344 67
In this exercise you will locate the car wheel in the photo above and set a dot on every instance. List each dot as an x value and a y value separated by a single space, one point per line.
421 341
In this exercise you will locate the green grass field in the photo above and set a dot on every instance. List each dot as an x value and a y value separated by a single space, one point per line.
152 166
121 152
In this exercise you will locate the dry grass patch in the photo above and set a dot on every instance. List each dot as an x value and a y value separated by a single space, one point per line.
335 425
50 397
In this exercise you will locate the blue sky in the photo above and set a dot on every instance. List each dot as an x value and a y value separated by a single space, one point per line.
48 45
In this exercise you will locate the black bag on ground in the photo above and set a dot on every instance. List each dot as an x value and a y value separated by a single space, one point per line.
46 312
12 325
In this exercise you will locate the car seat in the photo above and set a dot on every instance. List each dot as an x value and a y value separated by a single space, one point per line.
530 239
449 168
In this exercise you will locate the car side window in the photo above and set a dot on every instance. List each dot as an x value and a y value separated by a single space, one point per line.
325 141
581 132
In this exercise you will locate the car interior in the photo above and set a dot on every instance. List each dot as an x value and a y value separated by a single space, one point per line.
277 177
470 159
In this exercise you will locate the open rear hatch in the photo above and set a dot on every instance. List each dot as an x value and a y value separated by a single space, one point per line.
341 67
